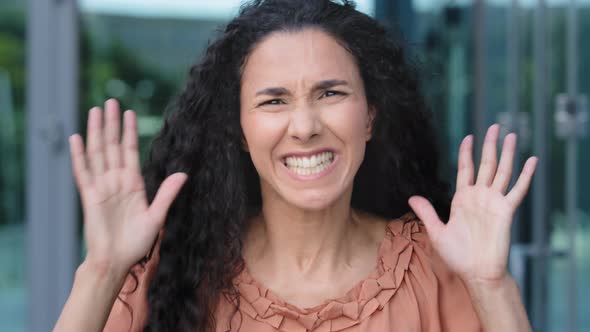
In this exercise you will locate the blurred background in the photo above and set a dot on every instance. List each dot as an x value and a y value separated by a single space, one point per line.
523 63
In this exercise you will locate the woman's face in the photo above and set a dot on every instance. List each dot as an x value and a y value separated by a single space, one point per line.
305 117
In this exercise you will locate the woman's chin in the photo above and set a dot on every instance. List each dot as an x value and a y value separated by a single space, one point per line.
316 198
313 201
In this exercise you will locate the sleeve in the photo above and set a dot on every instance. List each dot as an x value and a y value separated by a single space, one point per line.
442 298
130 310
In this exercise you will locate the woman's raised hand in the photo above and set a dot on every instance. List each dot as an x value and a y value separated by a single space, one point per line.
120 227
475 242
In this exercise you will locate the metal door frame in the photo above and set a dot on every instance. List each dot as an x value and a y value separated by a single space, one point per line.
51 209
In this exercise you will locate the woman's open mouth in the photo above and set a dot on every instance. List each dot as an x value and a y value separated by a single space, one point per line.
310 165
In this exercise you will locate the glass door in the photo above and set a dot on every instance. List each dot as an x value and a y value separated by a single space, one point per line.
569 289
518 62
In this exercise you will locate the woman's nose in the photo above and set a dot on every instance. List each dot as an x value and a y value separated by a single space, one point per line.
304 123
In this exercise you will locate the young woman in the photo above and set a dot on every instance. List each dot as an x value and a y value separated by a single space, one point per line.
278 195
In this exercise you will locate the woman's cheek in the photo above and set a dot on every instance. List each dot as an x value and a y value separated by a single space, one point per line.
263 132
349 122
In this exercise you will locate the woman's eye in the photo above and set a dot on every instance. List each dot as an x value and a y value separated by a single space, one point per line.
331 93
272 102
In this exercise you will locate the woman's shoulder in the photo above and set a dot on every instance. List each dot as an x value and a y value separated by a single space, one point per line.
408 230
406 225
438 291
407 246
396 250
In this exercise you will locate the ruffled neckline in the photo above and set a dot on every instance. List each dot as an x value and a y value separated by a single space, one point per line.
365 298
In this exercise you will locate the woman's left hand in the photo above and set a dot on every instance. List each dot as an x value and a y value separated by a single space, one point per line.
476 240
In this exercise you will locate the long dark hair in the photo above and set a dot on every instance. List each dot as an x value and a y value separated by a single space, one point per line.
200 252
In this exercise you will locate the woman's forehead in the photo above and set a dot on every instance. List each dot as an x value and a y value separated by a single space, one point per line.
304 56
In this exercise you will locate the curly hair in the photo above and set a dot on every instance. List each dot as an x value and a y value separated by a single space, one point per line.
200 252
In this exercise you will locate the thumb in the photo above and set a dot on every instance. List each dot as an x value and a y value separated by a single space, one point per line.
165 196
425 212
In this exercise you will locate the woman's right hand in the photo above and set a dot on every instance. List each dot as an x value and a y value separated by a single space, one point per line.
119 226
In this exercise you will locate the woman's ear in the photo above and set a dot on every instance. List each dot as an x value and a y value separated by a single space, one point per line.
245 144
370 120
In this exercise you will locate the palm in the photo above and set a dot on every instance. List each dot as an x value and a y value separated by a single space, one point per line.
476 240
114 197
479 215
120 226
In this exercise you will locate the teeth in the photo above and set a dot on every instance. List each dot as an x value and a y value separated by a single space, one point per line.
308 166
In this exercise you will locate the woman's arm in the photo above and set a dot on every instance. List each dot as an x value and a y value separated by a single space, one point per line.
499 305
475 242
93 294
120 225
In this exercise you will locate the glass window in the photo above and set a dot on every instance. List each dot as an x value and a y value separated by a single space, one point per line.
12 186
560 270
446 39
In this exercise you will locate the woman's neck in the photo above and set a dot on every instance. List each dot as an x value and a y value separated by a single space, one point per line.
286 242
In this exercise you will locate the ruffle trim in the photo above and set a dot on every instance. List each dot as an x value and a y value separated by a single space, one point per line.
364 299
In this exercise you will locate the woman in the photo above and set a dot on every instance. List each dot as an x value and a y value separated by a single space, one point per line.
304 144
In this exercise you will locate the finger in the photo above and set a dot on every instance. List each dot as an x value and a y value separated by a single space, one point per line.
465 163
112 134
165 196
516 195
79 166
95 151
130 141
425 212
504 172
487 167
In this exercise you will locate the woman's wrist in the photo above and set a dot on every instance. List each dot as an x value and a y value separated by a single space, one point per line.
96 286
480 285
498 303
102 271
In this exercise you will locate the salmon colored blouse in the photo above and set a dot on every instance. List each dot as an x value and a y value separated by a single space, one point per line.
411 289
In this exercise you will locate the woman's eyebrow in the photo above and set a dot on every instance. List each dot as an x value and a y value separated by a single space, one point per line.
321 85
274 92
